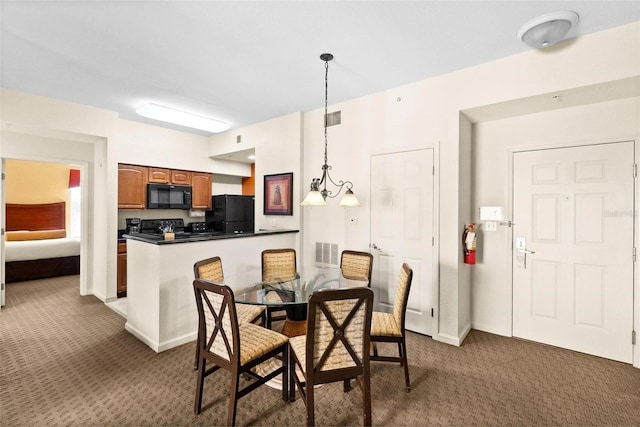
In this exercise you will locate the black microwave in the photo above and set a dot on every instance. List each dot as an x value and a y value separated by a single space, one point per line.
165 196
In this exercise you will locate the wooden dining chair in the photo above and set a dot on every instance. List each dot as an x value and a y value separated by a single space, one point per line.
335 347
211 269
278 265
356 265
226 344
389 327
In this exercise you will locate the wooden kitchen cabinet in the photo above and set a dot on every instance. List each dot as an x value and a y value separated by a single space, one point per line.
201 190
122 269
181 177
132 186
159 175
169 176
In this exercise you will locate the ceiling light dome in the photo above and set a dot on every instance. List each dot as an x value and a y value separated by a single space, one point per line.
548 29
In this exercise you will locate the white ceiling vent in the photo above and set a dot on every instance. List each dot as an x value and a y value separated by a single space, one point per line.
334 118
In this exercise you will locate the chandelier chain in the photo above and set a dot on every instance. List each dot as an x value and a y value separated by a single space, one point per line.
319 185
326 114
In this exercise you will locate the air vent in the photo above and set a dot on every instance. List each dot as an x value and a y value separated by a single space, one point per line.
327 254
334 118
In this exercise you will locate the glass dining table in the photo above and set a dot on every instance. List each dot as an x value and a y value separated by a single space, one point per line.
293 294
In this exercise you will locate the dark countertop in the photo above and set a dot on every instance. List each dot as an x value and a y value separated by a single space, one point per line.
159 240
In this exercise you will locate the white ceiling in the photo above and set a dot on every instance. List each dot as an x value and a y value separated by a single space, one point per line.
244 62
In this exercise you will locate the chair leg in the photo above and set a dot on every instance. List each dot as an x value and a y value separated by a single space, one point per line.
310 405
375 349
285 373
292 373
199 386
366 400
233 399
402 348
346 386
195 364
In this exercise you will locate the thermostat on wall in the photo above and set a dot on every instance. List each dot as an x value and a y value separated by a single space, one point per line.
491 213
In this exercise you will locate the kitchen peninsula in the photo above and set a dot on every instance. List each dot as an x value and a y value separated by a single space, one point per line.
161 309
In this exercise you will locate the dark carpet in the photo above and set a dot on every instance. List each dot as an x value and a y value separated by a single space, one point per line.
67 360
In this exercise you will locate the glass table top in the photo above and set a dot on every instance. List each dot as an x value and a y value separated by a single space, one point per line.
291 291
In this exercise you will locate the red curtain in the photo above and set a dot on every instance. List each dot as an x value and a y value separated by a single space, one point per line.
74 178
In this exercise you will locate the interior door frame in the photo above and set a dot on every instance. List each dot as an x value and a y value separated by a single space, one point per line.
435 261
2 238
84 209
510 243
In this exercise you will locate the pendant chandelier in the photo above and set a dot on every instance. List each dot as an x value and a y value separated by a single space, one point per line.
316 196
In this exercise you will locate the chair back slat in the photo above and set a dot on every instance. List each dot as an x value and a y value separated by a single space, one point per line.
210 269
356 265
403 286
338 329
218 320
278 265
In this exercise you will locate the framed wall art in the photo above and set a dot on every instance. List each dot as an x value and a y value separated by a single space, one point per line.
278 194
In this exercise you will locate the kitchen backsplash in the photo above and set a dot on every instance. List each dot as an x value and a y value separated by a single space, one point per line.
154 214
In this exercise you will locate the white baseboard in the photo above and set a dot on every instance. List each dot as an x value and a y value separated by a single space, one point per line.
154 345
98 295
166 345
159 347
491 329
451 339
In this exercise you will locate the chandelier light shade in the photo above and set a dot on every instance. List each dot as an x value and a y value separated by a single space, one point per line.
317 196
548 29
314 196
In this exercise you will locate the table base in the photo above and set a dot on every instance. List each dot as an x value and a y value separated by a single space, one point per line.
294 328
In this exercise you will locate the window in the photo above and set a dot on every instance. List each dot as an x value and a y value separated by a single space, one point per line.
75 206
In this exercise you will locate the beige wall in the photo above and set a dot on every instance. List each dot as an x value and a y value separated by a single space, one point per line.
433 113
278 145
493 142
440 113
37 182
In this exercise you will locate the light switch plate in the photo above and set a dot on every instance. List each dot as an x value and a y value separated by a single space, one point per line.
491 226
491 213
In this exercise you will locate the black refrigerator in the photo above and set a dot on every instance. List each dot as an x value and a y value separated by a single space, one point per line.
231 213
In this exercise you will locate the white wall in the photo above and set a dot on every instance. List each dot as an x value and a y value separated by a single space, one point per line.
424 114
226 184
427 114
39 128
277 145
603 122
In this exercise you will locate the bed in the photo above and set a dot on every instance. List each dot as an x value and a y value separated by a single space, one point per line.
36 243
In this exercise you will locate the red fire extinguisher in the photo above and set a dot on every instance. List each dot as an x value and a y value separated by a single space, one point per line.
469 243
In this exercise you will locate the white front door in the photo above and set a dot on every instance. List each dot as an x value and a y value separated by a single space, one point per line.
573 214
402 223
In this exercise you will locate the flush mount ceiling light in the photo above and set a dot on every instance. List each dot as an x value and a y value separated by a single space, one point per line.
548 29
182 118
315 196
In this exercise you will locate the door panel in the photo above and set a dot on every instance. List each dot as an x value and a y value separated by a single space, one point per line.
402 231
573 280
